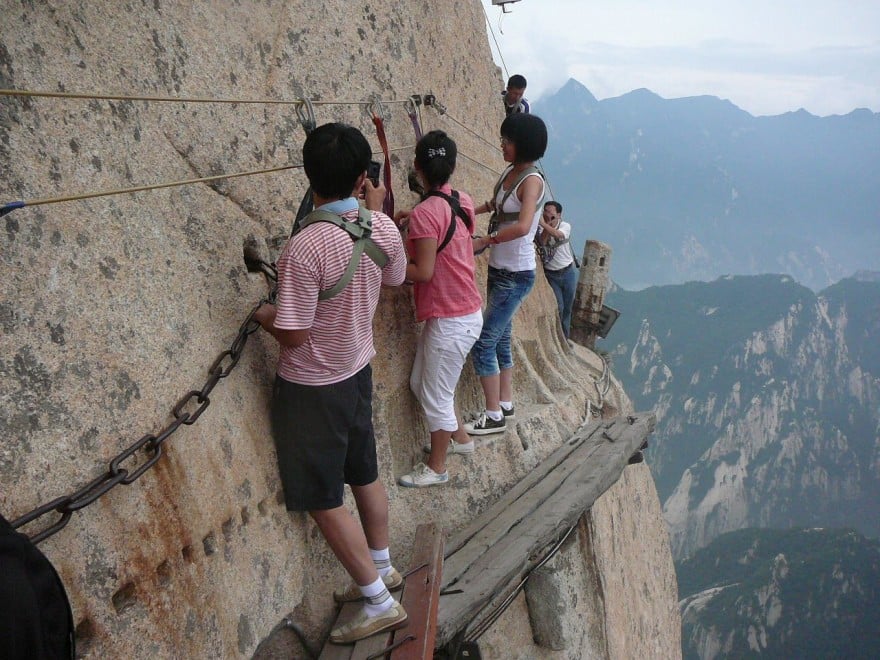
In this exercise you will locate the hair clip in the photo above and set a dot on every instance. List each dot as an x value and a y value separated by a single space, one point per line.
440 151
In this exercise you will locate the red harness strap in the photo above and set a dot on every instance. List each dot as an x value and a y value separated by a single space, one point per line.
388 203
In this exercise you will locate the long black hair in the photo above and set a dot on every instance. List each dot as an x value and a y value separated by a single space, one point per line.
435 158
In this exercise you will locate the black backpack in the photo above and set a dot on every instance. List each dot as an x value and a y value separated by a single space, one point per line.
452 200
36 622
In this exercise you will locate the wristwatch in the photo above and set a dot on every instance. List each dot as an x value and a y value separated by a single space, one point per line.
493 238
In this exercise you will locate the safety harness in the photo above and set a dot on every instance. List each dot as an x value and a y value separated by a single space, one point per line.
360 231
498 216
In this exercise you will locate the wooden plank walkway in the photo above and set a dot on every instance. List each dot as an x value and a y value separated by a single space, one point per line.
501 545
419 597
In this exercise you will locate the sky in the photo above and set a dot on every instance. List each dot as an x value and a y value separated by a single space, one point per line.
765 56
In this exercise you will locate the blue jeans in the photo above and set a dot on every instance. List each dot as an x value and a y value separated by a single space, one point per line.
564 284
505 292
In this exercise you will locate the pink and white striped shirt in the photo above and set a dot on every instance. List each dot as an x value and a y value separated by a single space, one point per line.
340 339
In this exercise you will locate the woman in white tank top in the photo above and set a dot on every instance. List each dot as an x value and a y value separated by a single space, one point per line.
517 205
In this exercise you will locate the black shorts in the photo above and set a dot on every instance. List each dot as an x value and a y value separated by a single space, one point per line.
324 439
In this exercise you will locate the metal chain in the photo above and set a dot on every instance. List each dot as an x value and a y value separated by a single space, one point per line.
185 412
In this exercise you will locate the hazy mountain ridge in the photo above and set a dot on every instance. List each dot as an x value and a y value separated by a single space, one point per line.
768 402
691 188
798 593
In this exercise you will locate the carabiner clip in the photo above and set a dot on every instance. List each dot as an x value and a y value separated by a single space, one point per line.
378 109
306 114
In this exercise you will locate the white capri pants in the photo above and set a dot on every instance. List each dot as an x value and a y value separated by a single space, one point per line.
441 351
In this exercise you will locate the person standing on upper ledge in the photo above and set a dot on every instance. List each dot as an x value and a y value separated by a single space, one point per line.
514 101
560 265
516 206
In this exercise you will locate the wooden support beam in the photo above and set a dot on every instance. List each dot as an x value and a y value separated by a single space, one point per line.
421 597
504 543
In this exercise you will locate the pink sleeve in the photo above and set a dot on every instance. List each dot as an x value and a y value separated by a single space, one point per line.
394 271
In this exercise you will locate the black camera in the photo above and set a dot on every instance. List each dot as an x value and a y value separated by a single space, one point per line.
373 170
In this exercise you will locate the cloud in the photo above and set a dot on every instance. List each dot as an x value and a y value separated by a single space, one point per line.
767 58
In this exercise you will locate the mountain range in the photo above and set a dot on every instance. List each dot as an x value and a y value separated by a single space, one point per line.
695 188
767 398
796 593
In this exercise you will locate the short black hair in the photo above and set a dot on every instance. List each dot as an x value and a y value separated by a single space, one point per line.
528 134
555 205
435 157
334 156
516 81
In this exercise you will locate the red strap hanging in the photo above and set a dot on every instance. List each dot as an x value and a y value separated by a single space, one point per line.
388 203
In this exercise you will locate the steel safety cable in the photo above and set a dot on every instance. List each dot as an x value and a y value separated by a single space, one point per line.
178 99
507 75
497 47
495 148
477 135
480 163
11 206
392 149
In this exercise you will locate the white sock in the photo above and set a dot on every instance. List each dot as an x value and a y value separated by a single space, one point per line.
506 405
495 415
377 598
381 560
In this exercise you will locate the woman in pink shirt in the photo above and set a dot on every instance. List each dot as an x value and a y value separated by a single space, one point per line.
441 267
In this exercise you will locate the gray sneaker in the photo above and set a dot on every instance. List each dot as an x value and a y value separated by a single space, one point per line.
422 477
484 425
454 447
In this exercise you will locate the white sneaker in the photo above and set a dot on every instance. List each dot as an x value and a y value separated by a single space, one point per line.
454 447
422 476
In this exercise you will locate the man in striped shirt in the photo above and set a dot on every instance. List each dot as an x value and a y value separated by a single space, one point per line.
322 399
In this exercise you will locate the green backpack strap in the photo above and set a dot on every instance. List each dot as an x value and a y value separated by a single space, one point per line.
499 216
360 232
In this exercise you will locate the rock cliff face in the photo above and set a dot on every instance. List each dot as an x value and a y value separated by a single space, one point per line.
113 308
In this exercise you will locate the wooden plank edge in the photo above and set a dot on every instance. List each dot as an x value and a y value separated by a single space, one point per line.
421 597
449 621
